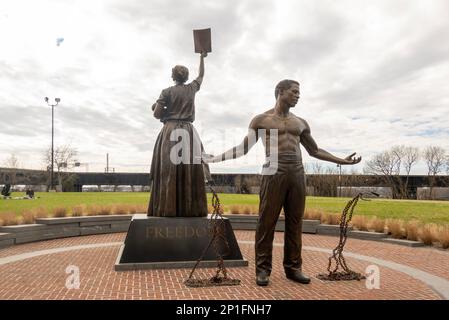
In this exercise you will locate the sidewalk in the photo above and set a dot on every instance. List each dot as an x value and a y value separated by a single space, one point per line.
38 271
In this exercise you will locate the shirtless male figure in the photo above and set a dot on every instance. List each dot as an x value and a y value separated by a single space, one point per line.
285 187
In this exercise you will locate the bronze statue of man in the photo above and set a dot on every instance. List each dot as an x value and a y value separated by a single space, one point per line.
286 186
178 187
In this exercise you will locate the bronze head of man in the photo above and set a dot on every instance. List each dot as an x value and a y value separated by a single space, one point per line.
287 91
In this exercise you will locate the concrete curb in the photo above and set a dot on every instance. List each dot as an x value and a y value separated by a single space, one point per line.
6 240
84 219
330 229
367 235
54 228
403 242
6 236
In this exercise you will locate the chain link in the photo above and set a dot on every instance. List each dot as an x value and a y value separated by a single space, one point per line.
217 230
337 254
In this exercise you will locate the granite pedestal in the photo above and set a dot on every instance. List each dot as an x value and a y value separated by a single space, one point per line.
162 243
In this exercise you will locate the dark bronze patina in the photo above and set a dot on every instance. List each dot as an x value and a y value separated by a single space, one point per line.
178 190
286 187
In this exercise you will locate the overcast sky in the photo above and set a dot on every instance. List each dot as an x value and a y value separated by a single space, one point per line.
373 74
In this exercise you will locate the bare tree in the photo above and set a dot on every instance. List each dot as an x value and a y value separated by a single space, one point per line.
411 157
398 154
317 168
388 165
435 158
331 170
12 162
324 180
64 159
384 163
405 158
307 168
447 164
317 171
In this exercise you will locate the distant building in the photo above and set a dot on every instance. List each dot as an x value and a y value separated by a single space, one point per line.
317 184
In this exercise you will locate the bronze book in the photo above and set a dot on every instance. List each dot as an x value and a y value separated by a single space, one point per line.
202 40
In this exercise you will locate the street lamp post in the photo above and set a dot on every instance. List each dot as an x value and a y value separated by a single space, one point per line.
339 180
53 105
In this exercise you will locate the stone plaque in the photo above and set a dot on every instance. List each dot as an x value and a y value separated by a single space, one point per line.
160 242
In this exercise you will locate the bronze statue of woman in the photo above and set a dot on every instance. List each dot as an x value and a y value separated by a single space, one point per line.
178 187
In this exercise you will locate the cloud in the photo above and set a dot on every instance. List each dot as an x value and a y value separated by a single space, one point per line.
401 67
309 46
372 74
23 121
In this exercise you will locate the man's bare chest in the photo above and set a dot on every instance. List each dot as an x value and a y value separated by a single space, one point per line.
291 126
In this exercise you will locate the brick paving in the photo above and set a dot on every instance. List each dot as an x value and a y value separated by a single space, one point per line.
44 276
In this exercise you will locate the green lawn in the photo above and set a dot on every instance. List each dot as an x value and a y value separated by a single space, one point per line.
425 211
70 199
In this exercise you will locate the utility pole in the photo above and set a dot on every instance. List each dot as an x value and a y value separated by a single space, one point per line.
339 180
57 100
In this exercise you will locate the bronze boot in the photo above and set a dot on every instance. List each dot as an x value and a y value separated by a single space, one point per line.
262 279
297 276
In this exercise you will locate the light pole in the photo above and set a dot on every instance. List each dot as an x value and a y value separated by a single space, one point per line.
339 179
57 100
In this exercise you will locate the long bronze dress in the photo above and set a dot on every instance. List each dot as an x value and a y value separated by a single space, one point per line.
178 188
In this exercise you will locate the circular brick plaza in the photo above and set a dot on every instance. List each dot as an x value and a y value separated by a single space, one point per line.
42 270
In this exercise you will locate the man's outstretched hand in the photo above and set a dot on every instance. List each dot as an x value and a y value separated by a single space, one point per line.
352 160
